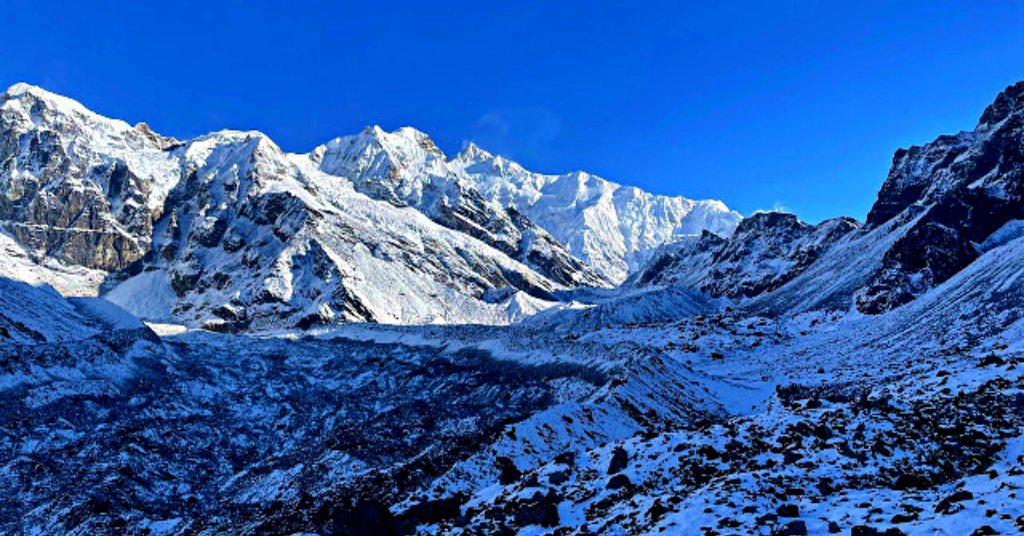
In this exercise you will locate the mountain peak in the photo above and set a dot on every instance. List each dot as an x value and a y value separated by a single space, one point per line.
21 88
473 153
400 136
762 220
1010 101
58 105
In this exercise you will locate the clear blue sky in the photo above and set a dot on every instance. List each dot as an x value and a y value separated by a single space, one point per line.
761 104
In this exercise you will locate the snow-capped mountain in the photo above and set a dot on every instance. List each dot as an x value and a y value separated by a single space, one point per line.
405 168
259 238
228 231
615 228
79 189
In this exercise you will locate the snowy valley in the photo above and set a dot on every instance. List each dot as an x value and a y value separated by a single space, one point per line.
216 336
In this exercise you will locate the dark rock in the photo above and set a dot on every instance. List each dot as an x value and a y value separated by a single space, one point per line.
540 509
508 473
946 505
910 481
618 482
793 528
366 518
566 458
903 518
433 511
558 478
991 360
788 510
619 461
657 511
709 452
823 432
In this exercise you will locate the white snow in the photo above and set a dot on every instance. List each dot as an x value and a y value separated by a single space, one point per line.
147 295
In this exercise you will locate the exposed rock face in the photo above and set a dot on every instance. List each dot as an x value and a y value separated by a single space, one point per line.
75 186
767 250
957 191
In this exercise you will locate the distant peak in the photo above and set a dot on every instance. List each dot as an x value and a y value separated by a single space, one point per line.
767 219
473 152
410 132
21 88
403 132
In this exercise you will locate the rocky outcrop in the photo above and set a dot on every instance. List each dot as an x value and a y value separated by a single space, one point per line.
767 250
75 186
951 195
940 203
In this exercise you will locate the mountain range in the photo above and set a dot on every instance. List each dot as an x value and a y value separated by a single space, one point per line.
229 231
215 336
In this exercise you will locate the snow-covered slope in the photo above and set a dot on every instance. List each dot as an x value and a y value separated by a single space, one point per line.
256 238
615 228
907 422
229 232
405 168
39 314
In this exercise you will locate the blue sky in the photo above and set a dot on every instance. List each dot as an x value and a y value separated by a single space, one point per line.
797 105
